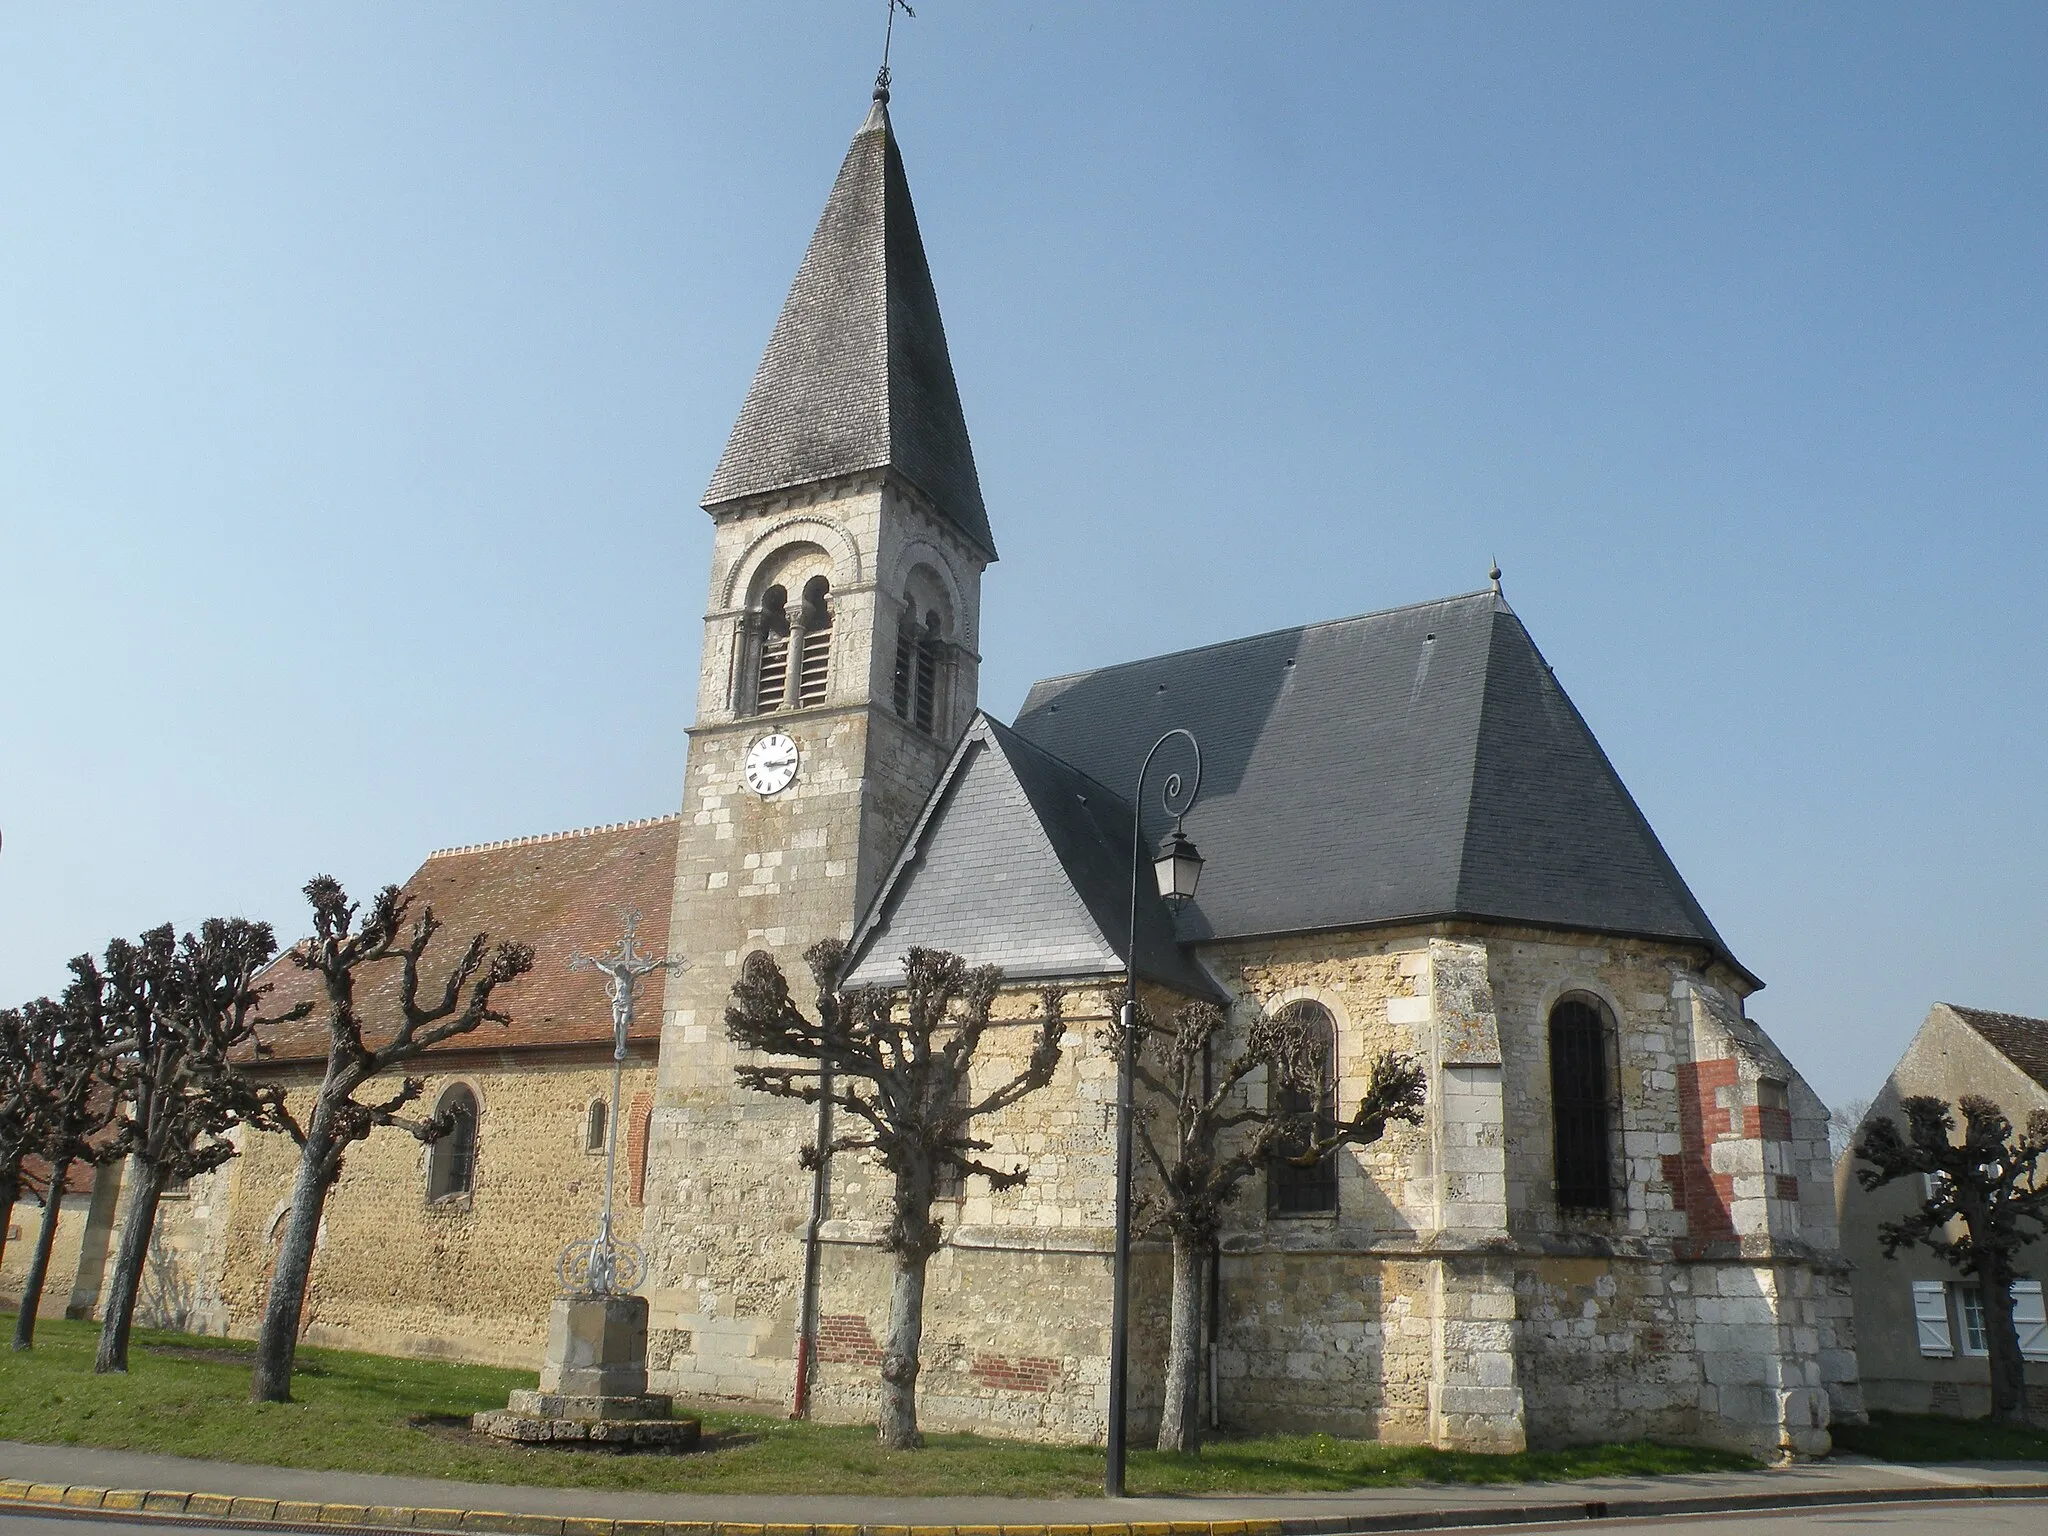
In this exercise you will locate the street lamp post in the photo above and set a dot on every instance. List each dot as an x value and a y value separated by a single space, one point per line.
1177 866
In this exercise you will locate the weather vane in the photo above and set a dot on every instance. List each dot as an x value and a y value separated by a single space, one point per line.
604 1266
888 36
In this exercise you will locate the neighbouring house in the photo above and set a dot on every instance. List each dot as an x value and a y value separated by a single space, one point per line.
1919 1324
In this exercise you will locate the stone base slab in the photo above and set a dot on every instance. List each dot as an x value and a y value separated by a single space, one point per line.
618 1434
559 1405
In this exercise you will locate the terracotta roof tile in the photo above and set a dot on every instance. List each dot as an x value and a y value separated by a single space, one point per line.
2020 1040
561 893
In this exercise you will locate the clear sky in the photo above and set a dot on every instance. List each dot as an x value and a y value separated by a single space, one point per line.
361 366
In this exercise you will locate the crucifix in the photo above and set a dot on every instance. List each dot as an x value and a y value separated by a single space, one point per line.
888 36
604 1266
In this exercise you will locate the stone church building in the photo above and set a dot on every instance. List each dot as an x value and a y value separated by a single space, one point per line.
1617 1219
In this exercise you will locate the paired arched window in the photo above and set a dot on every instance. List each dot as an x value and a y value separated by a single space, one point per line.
919 647
1292 1190
793 648
451 1161
1582 1104
594 1126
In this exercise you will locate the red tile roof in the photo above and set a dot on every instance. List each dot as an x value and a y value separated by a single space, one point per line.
562 893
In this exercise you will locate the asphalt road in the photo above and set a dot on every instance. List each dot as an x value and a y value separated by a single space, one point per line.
1974 1517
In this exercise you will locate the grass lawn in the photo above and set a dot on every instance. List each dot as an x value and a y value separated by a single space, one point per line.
188 1396
1930 1437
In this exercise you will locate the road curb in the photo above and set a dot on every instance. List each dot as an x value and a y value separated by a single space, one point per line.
174 1508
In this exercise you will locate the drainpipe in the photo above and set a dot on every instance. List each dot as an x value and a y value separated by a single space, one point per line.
807 1305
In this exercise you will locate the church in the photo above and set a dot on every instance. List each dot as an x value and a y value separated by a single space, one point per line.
1616 1219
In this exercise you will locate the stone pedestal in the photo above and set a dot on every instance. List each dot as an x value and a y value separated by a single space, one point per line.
593 1384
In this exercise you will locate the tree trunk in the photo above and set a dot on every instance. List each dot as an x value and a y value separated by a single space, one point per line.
898 1424
39 1261
9 1188
1180 1425
278 1342
2002 1342
128 1261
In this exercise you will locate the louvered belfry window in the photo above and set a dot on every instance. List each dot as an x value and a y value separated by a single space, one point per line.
771 672
1581 1106
1297 1191
815 664
928 674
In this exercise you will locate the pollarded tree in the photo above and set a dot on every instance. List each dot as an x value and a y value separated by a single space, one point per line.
358 1054
1989 1182
20 1108
73 1065
898 1061
179 1018
1216 1139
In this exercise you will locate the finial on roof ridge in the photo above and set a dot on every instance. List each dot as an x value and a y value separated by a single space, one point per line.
1493 576
888 37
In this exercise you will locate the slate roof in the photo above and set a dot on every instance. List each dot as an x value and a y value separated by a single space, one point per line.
561 893
1020 860
2019 1039
1420 763
857 375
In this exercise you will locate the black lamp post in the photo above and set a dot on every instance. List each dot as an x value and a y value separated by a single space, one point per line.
1177 866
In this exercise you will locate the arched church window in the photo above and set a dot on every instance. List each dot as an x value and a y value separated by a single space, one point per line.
813 642
1292 1190
771 671
1582 1084
594 1126
451 1162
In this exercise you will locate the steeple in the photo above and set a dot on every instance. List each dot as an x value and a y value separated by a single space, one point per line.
857 376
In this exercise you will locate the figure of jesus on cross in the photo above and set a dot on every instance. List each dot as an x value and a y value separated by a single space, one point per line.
604 1266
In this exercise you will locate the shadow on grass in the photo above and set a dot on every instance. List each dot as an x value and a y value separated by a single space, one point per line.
1935 1437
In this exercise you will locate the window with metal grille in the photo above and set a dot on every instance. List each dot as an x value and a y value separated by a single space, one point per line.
815 663
1581 1105
451 1164
771 672
1293 1190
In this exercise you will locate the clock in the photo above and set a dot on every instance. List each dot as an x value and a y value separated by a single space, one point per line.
771 764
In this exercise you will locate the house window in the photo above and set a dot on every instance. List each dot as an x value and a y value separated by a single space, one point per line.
1292 1190
1937 1339
594 1126
451 1162
771 669
1582 1105
1971 1305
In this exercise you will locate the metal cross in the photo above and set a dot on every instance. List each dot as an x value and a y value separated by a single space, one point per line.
604 1266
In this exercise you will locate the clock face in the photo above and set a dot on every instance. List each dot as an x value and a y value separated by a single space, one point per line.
771 764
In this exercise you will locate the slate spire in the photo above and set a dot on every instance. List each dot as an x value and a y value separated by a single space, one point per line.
857 375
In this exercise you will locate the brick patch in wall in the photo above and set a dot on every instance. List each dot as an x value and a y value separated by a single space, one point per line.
1945 1397
1774 1124
1028 1373
1703 1195
1788 1187
637 1118
845 1339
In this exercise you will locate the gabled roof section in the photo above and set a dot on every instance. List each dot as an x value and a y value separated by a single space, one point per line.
1415 764
561 893
857 375
2019 1039
1021 861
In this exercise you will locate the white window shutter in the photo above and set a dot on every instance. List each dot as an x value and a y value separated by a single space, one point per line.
2030 1318
1930 1318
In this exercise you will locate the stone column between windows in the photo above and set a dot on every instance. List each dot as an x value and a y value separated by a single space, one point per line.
1475 1394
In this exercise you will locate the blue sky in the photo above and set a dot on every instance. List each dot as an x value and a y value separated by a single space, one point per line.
360 367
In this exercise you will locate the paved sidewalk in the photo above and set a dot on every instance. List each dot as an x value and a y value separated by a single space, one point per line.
45 1475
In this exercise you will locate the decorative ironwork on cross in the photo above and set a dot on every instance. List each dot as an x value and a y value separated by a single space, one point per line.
603 1265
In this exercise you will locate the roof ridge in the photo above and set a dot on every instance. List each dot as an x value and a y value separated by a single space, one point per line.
1994 1013
1267 634
553 837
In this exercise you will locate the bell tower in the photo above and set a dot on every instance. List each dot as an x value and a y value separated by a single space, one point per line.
839 668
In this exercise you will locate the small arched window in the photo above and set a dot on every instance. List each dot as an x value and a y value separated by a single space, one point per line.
814 627
1292 1190
771 668
1582 1083
451 1163
594 1126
